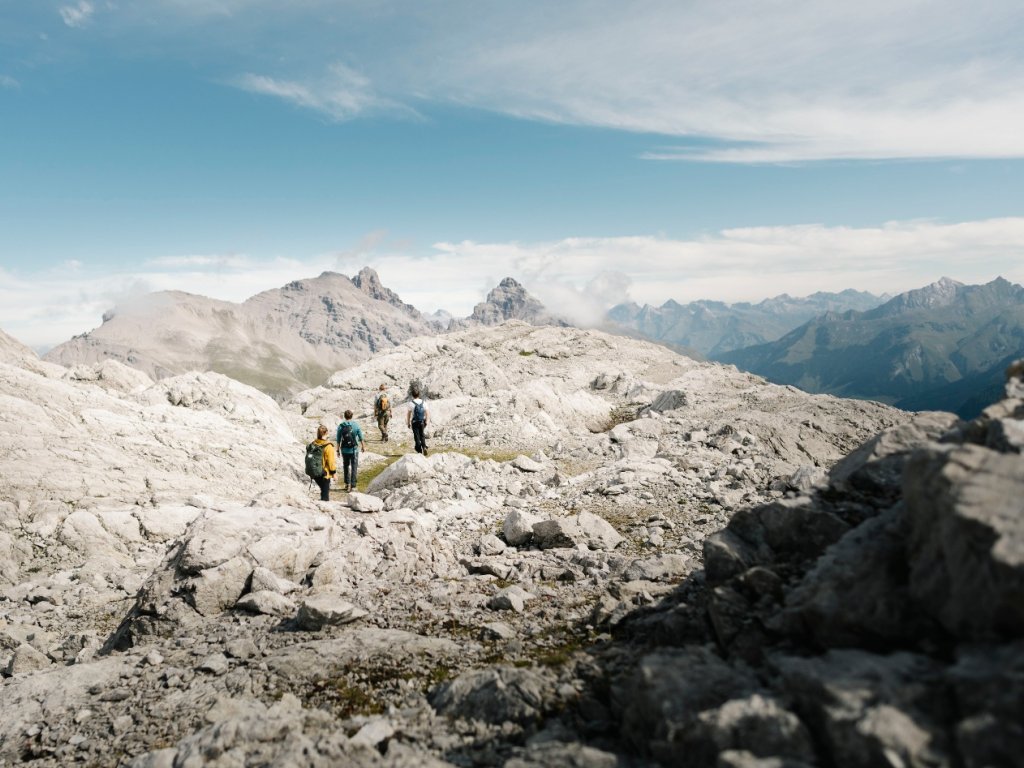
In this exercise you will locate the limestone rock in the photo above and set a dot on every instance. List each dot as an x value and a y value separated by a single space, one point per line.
755 724
526 464
660 568
490 545
364 502
871 710
966 544
264 579
495 695
585 528
323 610
266 602
517 527
512 598
26 659
661 698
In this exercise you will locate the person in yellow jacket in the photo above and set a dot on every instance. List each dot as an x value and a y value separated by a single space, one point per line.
330 463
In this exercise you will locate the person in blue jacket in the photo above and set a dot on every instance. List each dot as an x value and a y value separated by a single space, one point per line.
350 445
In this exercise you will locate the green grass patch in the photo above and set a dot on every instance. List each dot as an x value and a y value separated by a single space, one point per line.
482 453
367 475
526 352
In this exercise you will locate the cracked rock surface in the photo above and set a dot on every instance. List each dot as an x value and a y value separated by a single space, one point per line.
612 555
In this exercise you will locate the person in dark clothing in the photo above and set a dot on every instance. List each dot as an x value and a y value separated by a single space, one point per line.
417 418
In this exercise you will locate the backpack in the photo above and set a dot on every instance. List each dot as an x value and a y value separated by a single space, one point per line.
315 460
419 412
347 435
383 404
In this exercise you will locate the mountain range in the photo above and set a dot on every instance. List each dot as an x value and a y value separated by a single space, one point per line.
941 347
713 328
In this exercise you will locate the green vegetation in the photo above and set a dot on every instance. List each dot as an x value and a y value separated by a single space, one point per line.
346 700
481 453
367 475
527 352
620 414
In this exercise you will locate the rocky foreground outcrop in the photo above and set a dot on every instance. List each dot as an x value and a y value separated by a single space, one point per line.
612 556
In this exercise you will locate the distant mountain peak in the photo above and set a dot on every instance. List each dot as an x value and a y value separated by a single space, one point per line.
941 293
368 281
509 300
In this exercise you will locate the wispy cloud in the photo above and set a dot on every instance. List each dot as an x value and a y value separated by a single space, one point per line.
215 261
735 81
577 276
342 94
783 82
77 15
6 81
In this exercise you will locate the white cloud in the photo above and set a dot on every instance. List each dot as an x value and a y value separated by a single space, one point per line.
77 15
793 81
578 276
6 81
342 93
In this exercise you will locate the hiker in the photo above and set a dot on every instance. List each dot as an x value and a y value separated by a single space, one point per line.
350 443
321 462
417 417
382 411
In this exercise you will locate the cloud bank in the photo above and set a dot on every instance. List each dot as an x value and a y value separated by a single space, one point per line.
581 277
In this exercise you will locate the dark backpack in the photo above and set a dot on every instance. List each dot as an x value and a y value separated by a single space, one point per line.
346 436
315 460
419 413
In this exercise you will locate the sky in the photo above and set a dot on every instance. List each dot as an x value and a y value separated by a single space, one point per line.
598 151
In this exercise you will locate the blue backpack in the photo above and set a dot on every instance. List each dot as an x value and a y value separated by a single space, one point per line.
419 412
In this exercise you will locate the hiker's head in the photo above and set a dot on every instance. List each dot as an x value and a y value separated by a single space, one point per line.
321 432
348 414
415 392
383 387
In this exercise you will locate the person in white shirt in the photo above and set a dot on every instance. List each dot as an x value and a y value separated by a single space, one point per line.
417 418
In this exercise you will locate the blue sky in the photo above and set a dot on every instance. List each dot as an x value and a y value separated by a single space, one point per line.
598 151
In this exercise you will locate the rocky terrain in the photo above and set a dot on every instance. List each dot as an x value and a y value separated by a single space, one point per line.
280 341
611 556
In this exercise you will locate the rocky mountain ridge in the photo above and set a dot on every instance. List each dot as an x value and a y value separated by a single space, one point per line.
944 347
280 341
713 328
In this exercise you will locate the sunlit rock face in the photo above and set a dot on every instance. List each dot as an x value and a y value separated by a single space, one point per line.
280 341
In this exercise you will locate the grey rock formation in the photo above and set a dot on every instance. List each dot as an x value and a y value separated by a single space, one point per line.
279 341
510 301
192 598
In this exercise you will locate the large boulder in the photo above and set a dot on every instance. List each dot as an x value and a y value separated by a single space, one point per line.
496 695
966 543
